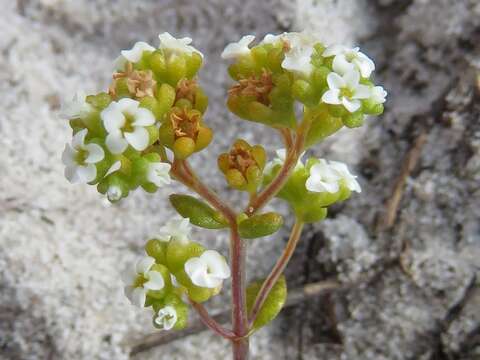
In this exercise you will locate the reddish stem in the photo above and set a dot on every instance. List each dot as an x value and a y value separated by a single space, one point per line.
277 270
293 153
211 323
238 252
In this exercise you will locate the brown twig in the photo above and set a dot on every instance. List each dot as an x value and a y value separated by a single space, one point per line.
409 162
295 297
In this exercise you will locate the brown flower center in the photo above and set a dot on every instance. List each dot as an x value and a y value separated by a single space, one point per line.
257 86
186 89
185 122
140 83
241 159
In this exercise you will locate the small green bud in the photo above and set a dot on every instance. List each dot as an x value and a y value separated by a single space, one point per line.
178 253
166 98
194 62
353 120
183 147
322 124
100 101
260 225
157 249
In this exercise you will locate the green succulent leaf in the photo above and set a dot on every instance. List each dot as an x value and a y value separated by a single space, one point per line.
197 211
260 225
272 305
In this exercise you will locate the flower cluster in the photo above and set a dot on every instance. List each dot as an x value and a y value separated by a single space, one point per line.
332 83
174 266
313 186
154 102
141 131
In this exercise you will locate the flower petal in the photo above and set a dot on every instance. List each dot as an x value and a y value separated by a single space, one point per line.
341 65
351 105
155 281
117 165
139 138
68 156
71 174
236 49
159 173
95 153
112 118
169 42
196 270
127 105
143 117
144 264
332 97
352 79
135 53
166 317
335 81
78 140
321 186
139 296
216 263
378 95
362 92
114 193
364 64
86 173
116 143
129 276
333 50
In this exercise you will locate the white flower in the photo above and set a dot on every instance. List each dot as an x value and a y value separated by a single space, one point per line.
175 229
347 59
378 95
77 107
80 159
125 123
323 178
299 52
237 49
349 180
327 176
270 38
209 270
158 173
114 193
346 90
177 46
133 55
139 280
166 317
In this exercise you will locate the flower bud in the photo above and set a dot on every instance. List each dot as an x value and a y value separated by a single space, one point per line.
243 165
157 249
171 313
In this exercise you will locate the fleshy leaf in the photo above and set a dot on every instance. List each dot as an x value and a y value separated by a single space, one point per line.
272 305
197 211
260 225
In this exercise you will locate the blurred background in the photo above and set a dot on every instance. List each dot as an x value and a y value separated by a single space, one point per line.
401 258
